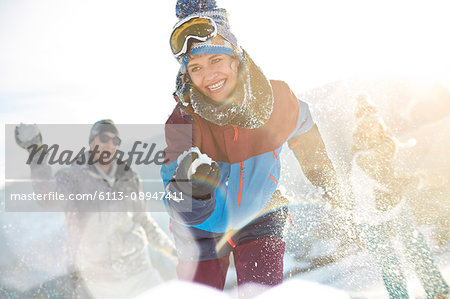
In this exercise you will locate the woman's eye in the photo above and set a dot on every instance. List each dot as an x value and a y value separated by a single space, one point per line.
195 69
215 60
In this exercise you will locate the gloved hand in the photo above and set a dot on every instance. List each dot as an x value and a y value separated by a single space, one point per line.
197 175
27 135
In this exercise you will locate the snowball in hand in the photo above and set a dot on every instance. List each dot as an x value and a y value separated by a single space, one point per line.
26 133
197 174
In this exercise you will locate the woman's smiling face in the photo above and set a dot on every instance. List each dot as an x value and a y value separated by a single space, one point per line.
214 75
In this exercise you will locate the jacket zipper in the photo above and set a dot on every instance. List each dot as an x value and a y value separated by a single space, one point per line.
236 133
241 183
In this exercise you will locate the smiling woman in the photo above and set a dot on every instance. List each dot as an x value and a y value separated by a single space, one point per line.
240 121
79 61
215 75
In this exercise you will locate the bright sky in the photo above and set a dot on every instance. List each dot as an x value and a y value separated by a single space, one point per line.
77 61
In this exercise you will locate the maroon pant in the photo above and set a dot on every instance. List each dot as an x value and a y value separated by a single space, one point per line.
259 261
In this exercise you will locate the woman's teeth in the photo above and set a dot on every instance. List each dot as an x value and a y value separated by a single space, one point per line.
216 86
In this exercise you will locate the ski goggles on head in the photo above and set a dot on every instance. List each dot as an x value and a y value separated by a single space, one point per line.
198 28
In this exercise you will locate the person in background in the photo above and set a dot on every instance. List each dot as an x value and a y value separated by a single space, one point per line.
381 209
110 257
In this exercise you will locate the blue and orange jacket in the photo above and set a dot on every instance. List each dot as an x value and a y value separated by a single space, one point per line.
248 159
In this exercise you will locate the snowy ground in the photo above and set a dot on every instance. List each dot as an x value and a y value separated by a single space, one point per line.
361 278
354 276
355 272
31 256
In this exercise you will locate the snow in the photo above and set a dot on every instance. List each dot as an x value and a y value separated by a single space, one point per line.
27 132
31 255
181 289
201 159
32 244
43 74
307 289
361 278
